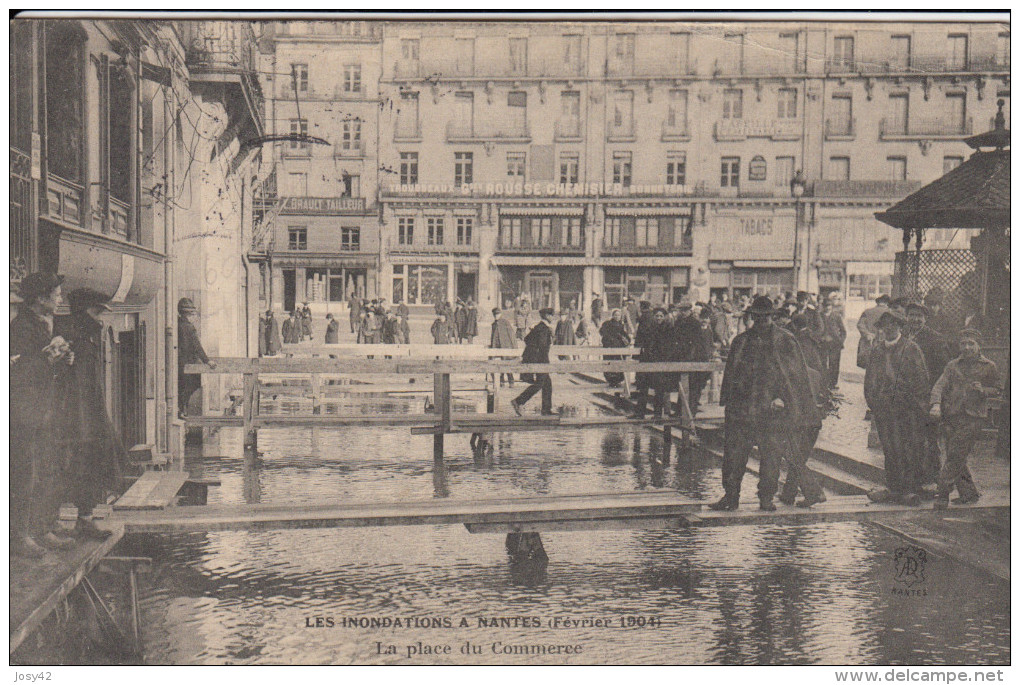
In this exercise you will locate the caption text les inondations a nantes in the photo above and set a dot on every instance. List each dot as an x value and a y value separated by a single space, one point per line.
448 622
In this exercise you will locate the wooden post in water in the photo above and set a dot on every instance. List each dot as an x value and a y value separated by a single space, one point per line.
250 414
441 402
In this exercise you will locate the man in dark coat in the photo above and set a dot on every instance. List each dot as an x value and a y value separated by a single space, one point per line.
833 339
614 334
564 333
806 306
896 389
40 363
502 338
936 356
292 329
354 305
596 310
332 330
306 321
273 341
768 401
536 351
694 344
656 341
442 331
405 330
391 329
469 329
98 458
189 351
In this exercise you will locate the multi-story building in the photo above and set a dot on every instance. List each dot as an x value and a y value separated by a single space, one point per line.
125 168
653 159
321 238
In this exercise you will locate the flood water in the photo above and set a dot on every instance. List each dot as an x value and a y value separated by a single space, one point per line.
819 594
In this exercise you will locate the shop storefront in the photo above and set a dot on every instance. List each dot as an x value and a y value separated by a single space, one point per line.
556 287
661 286
322 279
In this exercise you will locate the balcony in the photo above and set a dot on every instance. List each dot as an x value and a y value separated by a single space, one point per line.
407 132
469 132
741 129
990 63
841 129
407 68
301 151
352 151
937 64
728 67
505 245
842 65
567 130
555 68
891 189
621 134
221 60
419 246
932 127
675 132
684 247
64 200
355 31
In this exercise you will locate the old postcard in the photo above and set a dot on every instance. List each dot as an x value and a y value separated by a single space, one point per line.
510 339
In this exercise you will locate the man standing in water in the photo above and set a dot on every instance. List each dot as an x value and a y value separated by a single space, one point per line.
768 401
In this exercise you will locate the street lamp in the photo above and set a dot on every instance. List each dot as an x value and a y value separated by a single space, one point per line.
797 185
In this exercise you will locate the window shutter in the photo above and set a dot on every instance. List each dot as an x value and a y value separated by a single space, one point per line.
543 163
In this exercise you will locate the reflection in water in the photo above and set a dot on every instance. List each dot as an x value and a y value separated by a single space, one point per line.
769 595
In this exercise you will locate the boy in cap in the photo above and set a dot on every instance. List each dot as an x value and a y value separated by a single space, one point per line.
896 390
960 399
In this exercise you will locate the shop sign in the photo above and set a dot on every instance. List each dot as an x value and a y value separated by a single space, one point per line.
756 226
757 169
323 205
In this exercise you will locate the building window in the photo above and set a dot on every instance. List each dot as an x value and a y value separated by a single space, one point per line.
297 238
897 168
298 127
572 231
298 183
518 55
623 51
515 166
517 106
352 78
899 113
787 103
843 51
434 224
733 62
900 52
957 56
789 47
956 112
464 54
463 168
622 168
572 52
733 104
569 164
681 43
350 239
676 168
612 236
541 230
623 114
730 173
510 232
407 116
410 49
465 224
408 168
1002 50
784 171
950 162
569 124
676 115
839 169
299 77
350 185
405 230
351 136
65 100
841 123
647 232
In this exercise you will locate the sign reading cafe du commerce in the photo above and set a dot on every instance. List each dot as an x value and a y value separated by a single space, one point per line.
323 205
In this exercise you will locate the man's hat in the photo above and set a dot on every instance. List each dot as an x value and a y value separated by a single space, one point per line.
891 317
546 312
883 298
269 312
762 305
803 295
81 299
39 284
685 303
496 310
185 305
970 334
660 309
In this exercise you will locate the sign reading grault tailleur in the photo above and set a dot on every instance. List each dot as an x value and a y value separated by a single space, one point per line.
323 205
757 169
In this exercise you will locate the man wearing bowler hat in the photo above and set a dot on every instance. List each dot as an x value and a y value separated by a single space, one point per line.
536 351
897 392
769 404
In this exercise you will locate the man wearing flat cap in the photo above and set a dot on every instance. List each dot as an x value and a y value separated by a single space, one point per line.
896 390
769 404
960 400
536 351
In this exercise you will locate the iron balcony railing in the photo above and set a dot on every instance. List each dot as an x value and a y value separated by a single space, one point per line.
841 65
869 188
407 130
567 129
461 131
675 131
836 129
930 127
219 45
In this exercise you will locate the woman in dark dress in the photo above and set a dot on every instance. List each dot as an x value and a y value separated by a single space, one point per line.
614 334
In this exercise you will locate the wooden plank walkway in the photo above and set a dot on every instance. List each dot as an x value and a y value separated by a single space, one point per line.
38 586
522 514
154 490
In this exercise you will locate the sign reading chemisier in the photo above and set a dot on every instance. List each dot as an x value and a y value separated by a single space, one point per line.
323 205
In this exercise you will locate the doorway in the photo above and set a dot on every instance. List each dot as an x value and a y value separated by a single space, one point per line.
542 288
131 382
467 286
289 290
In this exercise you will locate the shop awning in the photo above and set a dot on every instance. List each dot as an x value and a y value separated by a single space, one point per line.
525 210
763 264
129 275
326 261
